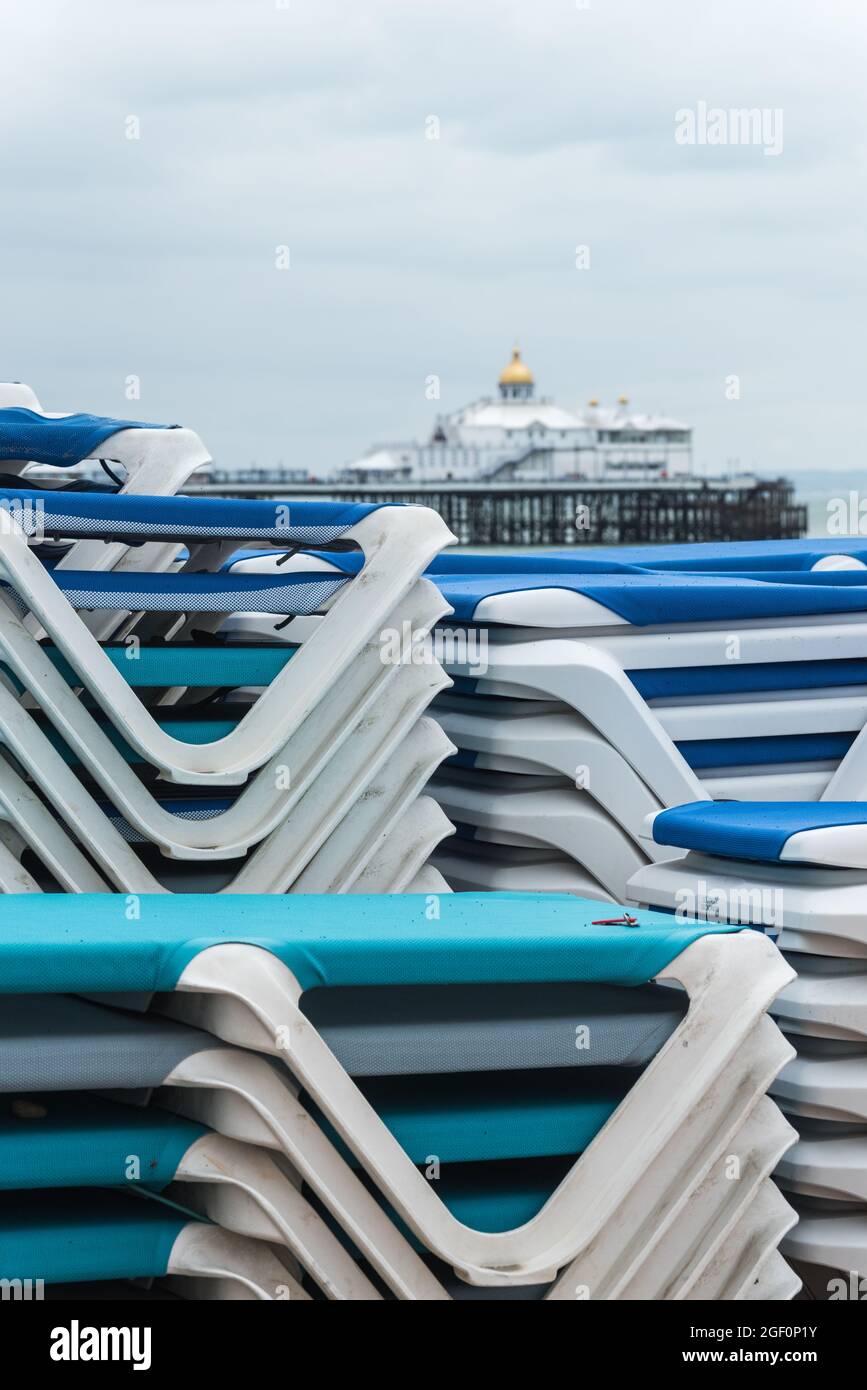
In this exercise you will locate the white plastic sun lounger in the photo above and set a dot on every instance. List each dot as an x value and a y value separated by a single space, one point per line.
18 393
489 939
826 1081
703 654
831 1242
76 1237
588 681
729 1215
59 1043
428 881
828 999
157 459
780 855
267 799
149 459
389 757
805 864
827 1166
381 846
396 542
79 1141
556 817
729 979
476 865
516 736
778 656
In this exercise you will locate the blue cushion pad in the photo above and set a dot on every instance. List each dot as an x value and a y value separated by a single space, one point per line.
750 829
648 599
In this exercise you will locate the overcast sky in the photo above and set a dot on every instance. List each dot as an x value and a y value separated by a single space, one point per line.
305 124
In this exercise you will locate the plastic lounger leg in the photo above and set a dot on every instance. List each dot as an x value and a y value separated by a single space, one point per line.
243 1096
242 1190
207 1251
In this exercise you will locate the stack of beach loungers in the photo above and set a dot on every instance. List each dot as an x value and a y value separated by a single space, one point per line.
251 1043
683 728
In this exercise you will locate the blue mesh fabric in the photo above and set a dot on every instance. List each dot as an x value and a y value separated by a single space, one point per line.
25 434
80 514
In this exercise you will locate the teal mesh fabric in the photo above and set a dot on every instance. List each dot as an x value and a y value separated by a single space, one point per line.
184 664
99 943
70 1237
468 1119
69 1139
198 731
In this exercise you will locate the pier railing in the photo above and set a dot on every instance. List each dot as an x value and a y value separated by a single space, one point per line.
571 513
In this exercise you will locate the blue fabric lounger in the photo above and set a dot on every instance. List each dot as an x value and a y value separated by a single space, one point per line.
60 1043
93 945
430 1030
709 557
490 1117
75 1236
217 664
56 1042
645 599
25 434
757 830
135 518
647 589
197 593
71 1139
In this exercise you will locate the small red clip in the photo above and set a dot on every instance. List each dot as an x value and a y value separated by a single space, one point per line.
624 921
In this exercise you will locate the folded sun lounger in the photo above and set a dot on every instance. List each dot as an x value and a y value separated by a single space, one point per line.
803 864
248 995
73 1237
80 1141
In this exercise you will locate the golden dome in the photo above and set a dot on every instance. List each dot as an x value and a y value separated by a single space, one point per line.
517 373
623 400
593 401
